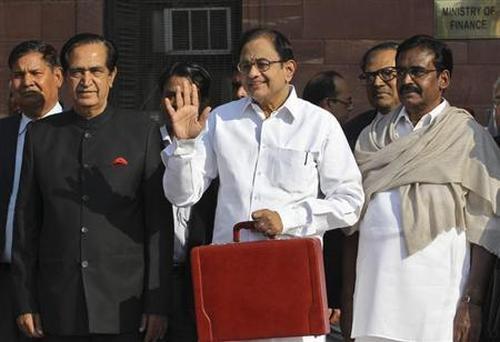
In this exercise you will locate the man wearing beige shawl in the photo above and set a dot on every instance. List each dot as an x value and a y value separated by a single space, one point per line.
431 223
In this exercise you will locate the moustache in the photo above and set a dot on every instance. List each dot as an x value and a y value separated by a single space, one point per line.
29 93
409 88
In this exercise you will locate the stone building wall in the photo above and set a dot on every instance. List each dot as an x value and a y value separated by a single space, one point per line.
51 20
333 34
326 34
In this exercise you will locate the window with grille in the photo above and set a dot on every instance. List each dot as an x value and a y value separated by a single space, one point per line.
153 34
197 30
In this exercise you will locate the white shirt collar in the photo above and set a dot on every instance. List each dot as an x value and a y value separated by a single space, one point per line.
387 115
426 119
26 120
289 105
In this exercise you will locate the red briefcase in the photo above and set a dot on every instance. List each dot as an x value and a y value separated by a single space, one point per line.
263 289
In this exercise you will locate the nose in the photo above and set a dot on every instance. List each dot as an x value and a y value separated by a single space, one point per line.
86 78
404 80
27 79
378 81
254 71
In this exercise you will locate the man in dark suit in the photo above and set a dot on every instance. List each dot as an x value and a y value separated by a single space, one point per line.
35 79
93 231
193 225
378 67
330 91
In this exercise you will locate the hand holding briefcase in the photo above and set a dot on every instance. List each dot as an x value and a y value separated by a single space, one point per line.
262 289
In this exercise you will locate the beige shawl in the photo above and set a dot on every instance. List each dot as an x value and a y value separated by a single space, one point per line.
448 174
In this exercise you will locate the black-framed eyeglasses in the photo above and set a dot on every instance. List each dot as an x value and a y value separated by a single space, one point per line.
386 74
262 64
347 103
414 72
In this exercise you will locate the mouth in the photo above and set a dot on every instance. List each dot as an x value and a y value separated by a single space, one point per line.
255 84
409 93
381 94
85 93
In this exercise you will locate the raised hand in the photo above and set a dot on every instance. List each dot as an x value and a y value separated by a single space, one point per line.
186 120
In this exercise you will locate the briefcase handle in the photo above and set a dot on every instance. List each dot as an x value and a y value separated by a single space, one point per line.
242 225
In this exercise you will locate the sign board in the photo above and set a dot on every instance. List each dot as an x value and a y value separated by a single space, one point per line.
467 19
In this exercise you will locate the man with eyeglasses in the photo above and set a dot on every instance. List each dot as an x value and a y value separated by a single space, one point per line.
273 152
330 91
378 67
431 221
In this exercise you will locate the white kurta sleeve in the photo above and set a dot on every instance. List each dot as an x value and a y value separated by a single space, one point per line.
190 166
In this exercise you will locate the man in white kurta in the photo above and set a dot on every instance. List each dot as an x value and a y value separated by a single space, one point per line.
392 286
260 168
281 161
423 255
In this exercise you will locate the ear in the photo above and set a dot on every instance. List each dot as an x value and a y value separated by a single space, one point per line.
58 74
290 68
112 76
444 80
